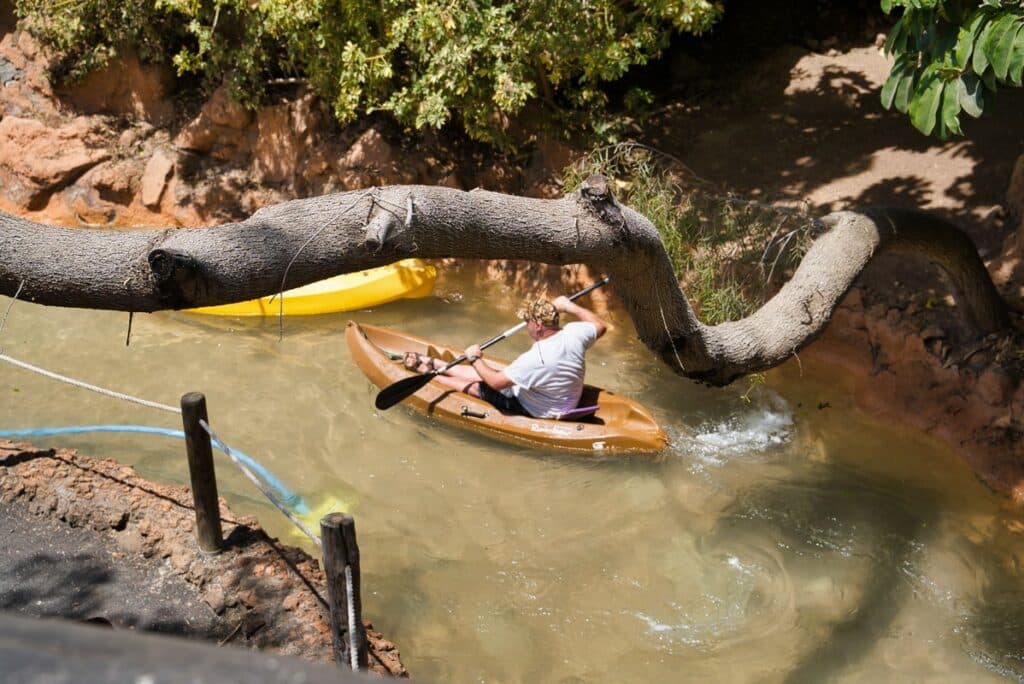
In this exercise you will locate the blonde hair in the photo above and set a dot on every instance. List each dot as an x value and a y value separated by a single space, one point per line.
540 310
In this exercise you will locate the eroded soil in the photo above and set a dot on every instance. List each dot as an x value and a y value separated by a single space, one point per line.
116 528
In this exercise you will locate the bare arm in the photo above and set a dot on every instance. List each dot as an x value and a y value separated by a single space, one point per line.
495 379
564 305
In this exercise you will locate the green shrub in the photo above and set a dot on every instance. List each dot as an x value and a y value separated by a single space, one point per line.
428 62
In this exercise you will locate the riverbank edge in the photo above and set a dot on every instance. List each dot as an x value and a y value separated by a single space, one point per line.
265 594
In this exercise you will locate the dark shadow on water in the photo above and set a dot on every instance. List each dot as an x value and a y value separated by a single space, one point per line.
834 516
994 631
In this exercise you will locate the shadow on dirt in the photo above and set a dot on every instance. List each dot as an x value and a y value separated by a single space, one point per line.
777 102
79 588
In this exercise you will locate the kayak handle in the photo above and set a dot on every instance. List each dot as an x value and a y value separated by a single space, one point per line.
467 412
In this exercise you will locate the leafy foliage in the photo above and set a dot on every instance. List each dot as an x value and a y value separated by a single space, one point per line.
426 61
948 55
727 252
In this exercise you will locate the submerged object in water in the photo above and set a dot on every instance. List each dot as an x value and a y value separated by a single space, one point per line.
618 425
406 279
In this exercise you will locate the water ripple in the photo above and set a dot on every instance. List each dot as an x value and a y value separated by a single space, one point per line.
745 595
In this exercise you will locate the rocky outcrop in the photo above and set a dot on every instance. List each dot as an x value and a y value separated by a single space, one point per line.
278 147
154 178
910 362
40 159
221 162
126 88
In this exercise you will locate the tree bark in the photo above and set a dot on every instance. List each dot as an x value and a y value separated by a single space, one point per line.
302 241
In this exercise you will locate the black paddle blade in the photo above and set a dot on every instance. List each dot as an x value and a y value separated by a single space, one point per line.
396 392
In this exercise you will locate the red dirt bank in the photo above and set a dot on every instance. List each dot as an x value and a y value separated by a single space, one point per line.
266 595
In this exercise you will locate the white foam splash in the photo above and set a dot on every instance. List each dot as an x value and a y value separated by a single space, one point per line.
653 626
754 430
682 633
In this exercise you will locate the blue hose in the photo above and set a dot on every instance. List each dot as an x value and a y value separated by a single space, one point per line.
288 497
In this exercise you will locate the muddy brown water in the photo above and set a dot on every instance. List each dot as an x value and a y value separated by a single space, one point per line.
782 537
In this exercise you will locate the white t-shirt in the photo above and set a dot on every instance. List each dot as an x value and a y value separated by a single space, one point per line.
549 377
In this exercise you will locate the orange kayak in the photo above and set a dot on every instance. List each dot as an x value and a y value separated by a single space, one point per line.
618 425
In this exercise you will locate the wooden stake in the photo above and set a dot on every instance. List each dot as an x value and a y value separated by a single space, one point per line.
201 474
341 566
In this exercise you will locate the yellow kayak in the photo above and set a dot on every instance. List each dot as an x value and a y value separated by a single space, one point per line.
406 279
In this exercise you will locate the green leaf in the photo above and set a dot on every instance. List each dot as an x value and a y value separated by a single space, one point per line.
998 57
971 94
980 60
906 33
1016 73
951 108
887 6
924 106
964 47
905 90
898 30
989 79
1005 50
967 36
889 88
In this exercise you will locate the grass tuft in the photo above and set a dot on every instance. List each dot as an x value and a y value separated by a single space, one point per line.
729 254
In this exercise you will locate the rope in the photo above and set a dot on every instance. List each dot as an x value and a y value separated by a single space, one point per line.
85 385
234 456
284 277
3 321
244 463
353 642
664 322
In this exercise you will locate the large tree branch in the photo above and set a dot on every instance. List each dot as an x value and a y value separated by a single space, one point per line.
846 241
311 239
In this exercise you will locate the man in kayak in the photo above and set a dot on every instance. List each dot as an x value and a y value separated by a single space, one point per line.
544 382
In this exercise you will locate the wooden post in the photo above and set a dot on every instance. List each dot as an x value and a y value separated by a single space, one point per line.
341 565
200 470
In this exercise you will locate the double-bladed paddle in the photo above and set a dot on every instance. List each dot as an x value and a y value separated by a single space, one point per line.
396 392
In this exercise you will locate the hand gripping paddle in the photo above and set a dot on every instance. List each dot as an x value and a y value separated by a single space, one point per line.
396 392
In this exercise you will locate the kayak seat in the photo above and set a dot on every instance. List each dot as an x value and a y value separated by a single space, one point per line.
580 414
586 409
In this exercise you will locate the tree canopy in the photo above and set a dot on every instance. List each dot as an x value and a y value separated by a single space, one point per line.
428 62
952 56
